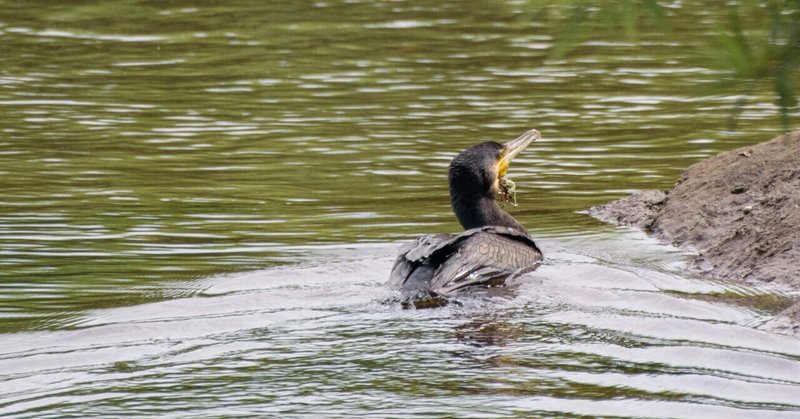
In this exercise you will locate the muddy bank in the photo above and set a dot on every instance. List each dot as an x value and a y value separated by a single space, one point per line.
739 210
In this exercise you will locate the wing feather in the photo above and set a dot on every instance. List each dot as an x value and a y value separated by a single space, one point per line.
445 263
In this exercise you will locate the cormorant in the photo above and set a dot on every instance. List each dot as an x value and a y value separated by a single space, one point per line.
494 246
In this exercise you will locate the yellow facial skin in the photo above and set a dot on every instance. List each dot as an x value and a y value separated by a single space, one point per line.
514 147
504 188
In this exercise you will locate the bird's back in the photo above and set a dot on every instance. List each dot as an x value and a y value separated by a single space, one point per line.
443 264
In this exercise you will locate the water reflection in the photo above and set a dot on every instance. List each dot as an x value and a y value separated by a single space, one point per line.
488 332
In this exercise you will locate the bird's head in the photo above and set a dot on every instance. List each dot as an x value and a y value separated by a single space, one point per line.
480 170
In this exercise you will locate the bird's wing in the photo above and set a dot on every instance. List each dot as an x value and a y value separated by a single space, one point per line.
444 263
413 259
486 256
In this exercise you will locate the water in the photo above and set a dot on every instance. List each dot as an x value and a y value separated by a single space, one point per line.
199 207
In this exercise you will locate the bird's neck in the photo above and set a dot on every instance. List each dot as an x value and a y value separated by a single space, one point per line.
480 212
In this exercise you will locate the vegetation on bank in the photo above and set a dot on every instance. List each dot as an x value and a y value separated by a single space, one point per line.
757 44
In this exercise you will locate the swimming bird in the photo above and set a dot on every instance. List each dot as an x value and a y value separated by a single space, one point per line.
494 247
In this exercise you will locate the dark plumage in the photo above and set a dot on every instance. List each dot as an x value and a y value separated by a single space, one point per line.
494 248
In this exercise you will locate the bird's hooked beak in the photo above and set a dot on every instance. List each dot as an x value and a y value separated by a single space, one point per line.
514 147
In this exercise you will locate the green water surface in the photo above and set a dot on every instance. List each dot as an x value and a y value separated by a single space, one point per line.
147 146
143 143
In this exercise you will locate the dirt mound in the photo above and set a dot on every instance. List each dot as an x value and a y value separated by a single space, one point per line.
739 210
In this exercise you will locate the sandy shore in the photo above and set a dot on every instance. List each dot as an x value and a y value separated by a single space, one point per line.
739 210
